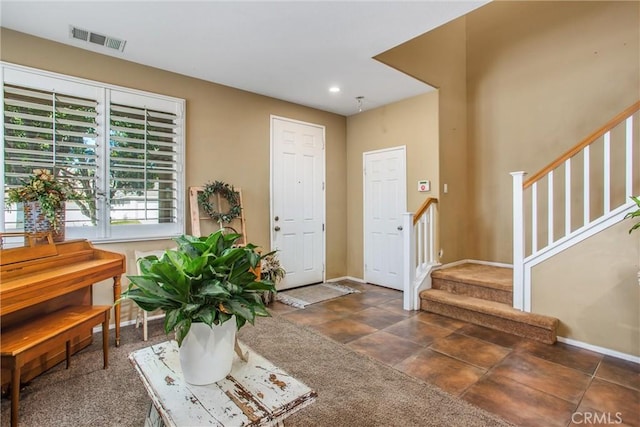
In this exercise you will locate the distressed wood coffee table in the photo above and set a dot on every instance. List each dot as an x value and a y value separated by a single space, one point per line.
254 393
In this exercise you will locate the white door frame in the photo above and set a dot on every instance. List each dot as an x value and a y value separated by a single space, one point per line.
403 148
324 192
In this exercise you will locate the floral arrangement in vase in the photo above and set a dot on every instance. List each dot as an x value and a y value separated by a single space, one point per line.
43 198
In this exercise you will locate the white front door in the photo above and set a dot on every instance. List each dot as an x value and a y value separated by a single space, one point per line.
297 200
385 200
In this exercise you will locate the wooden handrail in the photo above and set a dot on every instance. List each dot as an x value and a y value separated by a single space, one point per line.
588 140
423 208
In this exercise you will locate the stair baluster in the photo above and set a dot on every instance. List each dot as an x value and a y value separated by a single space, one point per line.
525 193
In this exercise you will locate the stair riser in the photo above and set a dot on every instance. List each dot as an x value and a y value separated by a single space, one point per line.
487 320
475 291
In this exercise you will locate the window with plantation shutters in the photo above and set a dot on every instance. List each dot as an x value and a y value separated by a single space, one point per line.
143 164
122 150
47 130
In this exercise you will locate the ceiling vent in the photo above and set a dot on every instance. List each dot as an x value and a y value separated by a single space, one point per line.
95 38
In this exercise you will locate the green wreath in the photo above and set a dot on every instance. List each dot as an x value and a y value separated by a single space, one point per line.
225 190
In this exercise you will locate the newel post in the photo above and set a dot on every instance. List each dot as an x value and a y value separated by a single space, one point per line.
408 261
518 240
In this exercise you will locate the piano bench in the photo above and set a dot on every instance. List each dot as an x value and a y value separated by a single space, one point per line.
23 343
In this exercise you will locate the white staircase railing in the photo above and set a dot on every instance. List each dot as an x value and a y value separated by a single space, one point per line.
546 224
419 257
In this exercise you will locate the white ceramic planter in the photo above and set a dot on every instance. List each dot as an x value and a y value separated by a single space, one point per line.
206 354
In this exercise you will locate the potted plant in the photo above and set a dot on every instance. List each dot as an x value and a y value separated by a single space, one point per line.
206 286
271 270
43 200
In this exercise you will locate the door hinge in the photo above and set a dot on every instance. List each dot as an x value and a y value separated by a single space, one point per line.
322 227
322 185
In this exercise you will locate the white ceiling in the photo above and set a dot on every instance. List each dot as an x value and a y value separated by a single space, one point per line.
290 50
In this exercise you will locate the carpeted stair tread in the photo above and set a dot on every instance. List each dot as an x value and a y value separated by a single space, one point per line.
490 307
482 294
487 276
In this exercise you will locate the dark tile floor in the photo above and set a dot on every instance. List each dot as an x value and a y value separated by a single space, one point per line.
523 381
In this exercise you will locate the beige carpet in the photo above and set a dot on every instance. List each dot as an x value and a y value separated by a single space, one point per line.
307 295
353 390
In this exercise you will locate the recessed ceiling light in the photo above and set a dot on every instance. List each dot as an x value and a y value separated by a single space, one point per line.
334 89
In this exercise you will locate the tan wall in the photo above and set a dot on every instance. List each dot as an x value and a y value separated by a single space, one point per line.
412 122
541 77
227 136
520 82
438 58
594 290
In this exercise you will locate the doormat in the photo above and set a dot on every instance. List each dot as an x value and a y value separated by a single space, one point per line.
306 295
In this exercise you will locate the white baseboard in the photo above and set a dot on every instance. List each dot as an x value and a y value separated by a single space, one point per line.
451 264
473 261
602 350
127 323
494 264
575 343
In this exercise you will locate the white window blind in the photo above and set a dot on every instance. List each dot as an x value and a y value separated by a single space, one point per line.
143 165
46 130
123 150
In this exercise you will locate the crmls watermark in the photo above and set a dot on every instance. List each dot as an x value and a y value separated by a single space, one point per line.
596 418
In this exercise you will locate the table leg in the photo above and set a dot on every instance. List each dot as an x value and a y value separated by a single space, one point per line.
153 418
68 353
117 288
15 391
105 340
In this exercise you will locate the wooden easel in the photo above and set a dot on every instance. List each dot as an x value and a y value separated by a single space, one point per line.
202 224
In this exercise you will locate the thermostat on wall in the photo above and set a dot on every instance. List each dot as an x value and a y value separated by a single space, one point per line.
424 186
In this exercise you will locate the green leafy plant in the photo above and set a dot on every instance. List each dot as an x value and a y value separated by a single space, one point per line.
206 279
634 214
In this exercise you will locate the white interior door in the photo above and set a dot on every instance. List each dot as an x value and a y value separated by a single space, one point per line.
297 200
385 200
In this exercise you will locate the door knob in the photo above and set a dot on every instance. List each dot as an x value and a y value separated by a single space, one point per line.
277 228
276 218
399 228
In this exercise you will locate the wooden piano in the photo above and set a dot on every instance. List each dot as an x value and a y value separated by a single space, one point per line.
43 279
